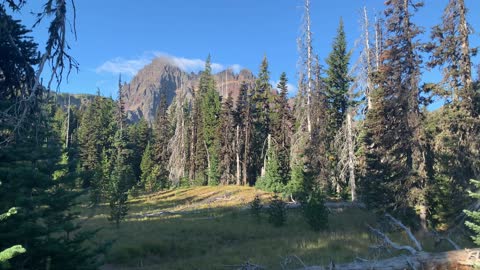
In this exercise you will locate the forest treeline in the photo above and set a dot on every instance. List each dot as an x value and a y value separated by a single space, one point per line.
359 129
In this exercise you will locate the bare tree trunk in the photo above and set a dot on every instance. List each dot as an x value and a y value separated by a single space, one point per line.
208 157
269 144
67 140
246 149
309 65
351 156
466 65
378 38
368 59
457 259
238 169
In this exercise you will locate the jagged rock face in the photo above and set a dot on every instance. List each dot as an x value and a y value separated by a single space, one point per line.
142 95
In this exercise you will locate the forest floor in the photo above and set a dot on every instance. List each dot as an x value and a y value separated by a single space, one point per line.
211 228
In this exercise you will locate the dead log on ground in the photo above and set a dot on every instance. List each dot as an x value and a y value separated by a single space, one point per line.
457 259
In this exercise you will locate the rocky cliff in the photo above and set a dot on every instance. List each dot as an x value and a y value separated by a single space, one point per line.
142 93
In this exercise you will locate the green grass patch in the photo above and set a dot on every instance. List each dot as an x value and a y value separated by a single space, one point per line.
210 228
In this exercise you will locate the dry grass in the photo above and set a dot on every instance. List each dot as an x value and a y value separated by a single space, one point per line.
208 228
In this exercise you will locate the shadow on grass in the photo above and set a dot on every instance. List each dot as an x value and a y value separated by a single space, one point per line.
216 237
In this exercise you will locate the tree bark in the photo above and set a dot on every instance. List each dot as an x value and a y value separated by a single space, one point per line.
351 156
368 59
238 169
309 65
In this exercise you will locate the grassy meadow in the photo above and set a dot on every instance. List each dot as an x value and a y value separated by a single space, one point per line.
211 228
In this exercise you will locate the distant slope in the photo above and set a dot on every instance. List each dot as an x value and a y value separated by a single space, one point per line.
80 101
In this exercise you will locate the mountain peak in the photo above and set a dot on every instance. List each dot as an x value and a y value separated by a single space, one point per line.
142 94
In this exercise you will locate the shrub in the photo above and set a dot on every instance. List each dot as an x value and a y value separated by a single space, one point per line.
277 214
315 211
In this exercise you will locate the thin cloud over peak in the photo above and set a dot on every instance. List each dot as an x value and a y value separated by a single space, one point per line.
132 66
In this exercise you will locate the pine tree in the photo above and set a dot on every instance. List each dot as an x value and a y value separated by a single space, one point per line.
227 141
148 178
296 188
244 122
337 86
396 144
122 177
281 127
13 251
161 136
210 117
139 135
260 118
452 127
337 81
34 171
95 134
450 49
45 223
272 180
474 223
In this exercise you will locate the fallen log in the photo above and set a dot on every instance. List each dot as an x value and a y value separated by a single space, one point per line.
456 259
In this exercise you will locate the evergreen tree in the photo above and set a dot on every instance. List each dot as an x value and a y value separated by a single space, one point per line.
450 49
227 141
315 211
281 127
296 188
272 180
13 251
454 128
337 81
473 224
96 133
277 212
139 135
337 86
260 118
210 117
148 178
122 177
118 187
34 172
161 136
244 122
45 223
396 145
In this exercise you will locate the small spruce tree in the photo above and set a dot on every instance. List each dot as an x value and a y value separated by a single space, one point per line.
315 211
272 181
277 212
474 224
256 207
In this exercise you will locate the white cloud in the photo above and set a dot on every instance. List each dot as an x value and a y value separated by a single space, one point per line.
132 66
235 68
122 66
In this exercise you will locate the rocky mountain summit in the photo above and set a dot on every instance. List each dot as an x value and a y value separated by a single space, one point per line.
142 93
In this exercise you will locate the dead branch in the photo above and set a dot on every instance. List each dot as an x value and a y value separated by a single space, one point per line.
394 245
439 238
407 230
246 266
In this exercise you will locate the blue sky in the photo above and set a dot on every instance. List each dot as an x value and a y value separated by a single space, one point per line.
121 36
